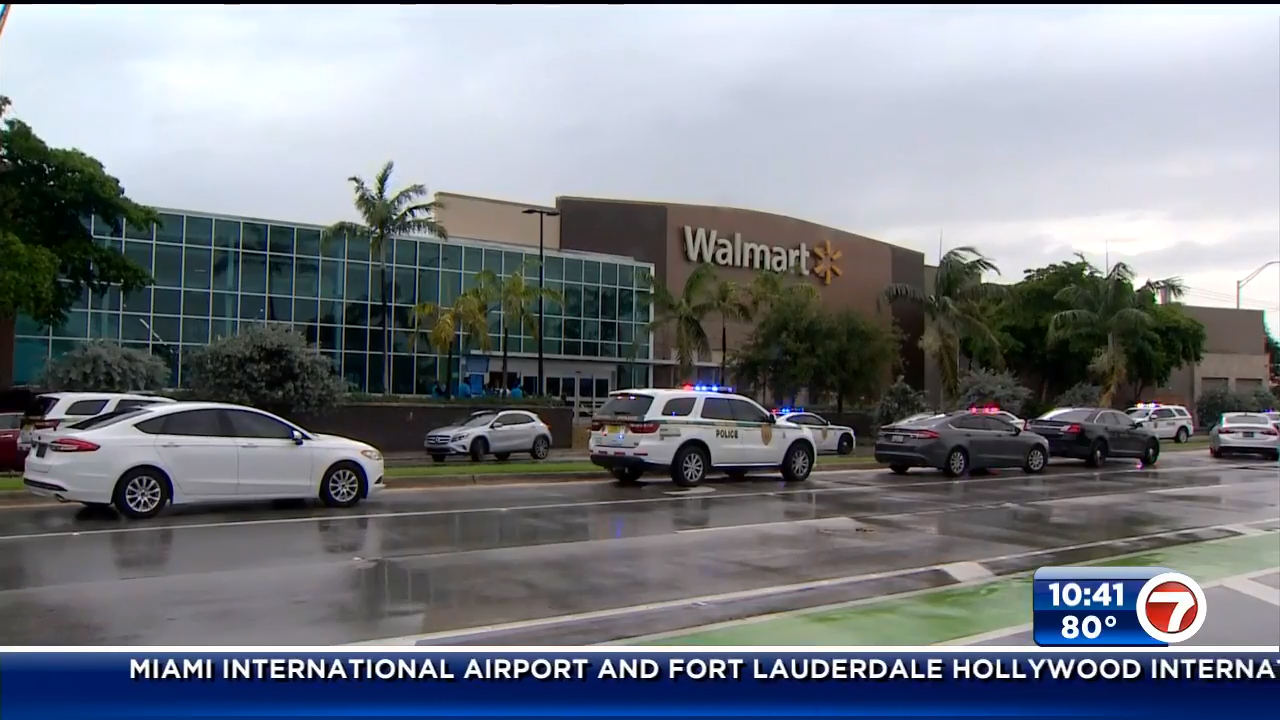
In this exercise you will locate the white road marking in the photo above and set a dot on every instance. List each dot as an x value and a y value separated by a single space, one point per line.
689 492
1254 589
1232 583
834 523
753 594
888 487
1247 530
967 571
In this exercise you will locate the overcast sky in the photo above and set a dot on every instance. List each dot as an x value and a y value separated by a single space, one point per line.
1030 133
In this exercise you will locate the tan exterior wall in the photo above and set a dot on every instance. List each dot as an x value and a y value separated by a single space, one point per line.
477 218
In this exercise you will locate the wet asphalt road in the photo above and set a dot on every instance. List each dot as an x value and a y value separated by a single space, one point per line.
622 561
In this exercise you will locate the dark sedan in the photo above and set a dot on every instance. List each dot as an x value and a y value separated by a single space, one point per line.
959 442
1095 434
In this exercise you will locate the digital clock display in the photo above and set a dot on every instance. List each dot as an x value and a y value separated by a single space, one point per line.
1114 607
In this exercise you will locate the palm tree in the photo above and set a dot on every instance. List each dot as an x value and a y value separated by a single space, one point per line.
953 310
1110 304
441 324
384 215
517 298
730 301
685 314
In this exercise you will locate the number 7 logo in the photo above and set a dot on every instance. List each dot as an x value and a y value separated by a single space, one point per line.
1171 607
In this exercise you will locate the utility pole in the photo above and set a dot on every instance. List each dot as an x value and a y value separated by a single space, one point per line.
1249 278
542 284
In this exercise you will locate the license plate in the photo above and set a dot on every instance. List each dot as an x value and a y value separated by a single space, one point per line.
896 438
41 449
1248 434
614 429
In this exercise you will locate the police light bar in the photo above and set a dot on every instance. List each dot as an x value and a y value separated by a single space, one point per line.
787 410
1147 406
709 388
987 410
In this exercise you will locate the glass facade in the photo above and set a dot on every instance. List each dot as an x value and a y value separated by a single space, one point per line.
215 274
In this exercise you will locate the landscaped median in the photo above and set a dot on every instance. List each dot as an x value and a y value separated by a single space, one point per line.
940 616
456 474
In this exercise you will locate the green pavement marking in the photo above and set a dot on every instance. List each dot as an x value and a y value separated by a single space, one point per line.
942 615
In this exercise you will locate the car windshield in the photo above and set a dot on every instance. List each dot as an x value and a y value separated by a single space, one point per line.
1067 415
480 420
919 420
106 419
635 405
1245 419
1138 412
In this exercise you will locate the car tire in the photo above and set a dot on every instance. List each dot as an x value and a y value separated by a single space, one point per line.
1182 435
690 465
1275 456
343 486
479 448
141 493
1151 453
797 463
845 445
1215 453
1097 454
502 457
541 448
626 475
1037 460
957 463
899 469
438 458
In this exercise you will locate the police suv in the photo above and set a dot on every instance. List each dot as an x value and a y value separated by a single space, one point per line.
692 431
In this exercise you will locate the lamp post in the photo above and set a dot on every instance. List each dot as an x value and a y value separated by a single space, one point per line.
542 280
1241 283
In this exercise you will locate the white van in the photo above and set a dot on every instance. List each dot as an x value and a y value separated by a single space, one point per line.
52 410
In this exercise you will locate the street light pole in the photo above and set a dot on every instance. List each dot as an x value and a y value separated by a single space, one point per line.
542 282
1241 283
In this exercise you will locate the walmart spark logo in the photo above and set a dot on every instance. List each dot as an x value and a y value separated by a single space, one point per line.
825 267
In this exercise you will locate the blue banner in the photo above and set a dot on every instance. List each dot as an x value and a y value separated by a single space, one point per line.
611 682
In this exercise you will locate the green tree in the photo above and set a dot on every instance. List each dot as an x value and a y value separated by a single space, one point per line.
899 401
384 215
729 300
1170 340
854 356
46 194
984 388
268 366
1110 304
103 366
684 314
953 309
779 357
517 297
440 324
1052 365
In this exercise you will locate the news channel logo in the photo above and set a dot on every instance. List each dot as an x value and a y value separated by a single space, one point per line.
1115 607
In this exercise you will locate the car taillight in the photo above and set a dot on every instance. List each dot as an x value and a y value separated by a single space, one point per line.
1270 431
72 445
1226 431
1071 429
596 426
925 435
643 427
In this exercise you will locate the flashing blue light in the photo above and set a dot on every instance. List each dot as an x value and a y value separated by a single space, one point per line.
787 410
709 388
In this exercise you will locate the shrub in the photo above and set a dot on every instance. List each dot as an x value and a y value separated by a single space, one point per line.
899 401
1080 395
1002 389
102 366
1212 403
1261 400
269 367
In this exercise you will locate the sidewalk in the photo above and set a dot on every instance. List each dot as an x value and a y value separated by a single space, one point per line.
944 616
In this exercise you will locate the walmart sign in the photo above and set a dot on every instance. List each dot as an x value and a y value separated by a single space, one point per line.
702 245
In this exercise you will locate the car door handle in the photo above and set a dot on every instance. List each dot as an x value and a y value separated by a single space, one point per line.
169 445
250 445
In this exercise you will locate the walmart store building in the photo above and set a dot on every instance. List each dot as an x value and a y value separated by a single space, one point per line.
214 274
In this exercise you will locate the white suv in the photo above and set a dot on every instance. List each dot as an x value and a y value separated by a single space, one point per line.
1168 422
693 431
53 410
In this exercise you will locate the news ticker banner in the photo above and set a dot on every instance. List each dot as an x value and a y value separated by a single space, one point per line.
612 682
1115 607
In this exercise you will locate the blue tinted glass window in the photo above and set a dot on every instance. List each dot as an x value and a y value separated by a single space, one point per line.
197 267
168 265
253 236
253 272
308 242
226 233
199 231
281 240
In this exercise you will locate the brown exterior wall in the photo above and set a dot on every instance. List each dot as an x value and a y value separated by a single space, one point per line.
401 427
476 218
655 232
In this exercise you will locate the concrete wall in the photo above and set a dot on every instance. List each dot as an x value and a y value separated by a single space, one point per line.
1235 357
477 218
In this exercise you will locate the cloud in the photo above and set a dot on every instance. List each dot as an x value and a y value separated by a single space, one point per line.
1029 133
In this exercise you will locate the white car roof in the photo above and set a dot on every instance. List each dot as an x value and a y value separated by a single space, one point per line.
105 396
1237 415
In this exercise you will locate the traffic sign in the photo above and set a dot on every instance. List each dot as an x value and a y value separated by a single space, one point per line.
1171 607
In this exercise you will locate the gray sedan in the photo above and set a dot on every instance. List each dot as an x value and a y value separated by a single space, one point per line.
959 442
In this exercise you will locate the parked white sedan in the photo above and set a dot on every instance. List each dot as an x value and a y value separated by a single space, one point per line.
1242 433
839 439
140 460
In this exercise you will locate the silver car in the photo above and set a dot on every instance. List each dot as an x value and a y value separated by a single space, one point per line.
491 432
1245 433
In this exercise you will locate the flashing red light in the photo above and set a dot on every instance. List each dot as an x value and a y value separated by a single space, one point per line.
987 410
643 428
688 386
